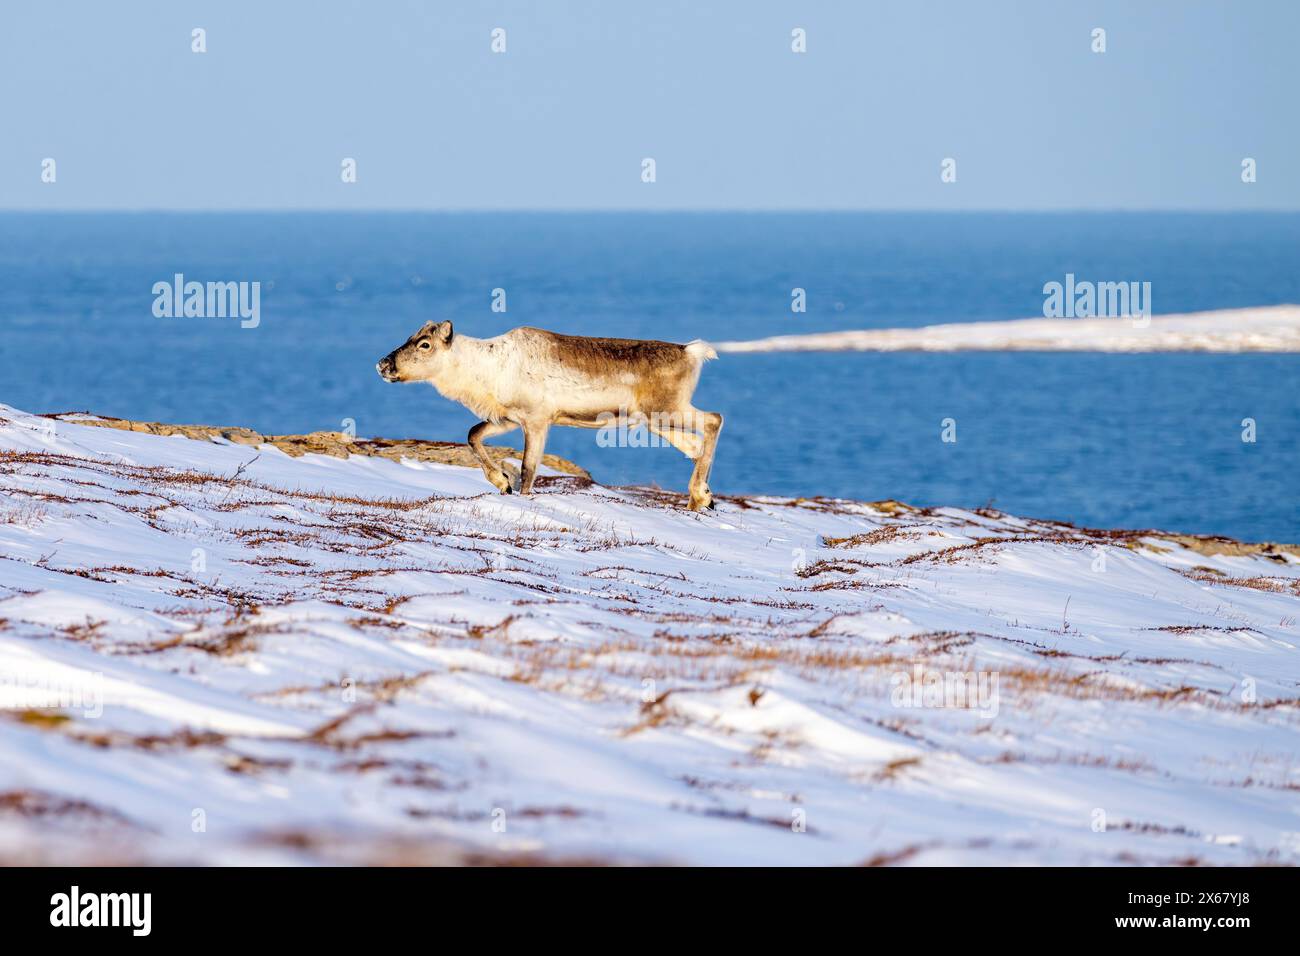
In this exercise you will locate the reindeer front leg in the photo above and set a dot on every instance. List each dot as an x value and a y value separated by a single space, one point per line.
494 472
534 443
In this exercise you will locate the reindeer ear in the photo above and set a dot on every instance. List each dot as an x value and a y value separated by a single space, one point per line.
443 331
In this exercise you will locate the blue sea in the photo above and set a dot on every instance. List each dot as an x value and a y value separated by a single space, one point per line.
1103 440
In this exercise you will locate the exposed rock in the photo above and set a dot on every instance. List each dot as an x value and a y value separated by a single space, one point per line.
334 444
1213 544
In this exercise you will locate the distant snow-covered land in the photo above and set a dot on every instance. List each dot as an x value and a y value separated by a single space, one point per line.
217 653
1262 329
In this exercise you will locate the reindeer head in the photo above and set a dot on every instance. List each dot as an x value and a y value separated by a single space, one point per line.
420 357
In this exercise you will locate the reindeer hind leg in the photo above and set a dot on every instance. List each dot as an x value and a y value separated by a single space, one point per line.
708 425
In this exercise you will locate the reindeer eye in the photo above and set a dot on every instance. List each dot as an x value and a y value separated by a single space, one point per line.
425 345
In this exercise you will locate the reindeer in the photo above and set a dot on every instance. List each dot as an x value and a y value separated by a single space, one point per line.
533 379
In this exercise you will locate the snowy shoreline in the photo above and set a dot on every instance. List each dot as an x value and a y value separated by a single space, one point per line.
1262 329
215 652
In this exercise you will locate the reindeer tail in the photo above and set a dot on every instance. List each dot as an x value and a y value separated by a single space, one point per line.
700 350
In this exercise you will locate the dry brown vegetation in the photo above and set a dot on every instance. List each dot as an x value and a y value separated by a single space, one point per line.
40 805
1276 585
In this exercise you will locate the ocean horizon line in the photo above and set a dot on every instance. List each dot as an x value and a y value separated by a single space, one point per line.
634 210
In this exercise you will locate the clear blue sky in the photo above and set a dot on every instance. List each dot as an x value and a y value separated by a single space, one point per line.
734 120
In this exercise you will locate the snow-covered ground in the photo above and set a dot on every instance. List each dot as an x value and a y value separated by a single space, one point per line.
1263 329
216 653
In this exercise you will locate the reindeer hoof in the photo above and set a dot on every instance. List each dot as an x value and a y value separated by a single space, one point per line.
702 503
507 480
514 480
